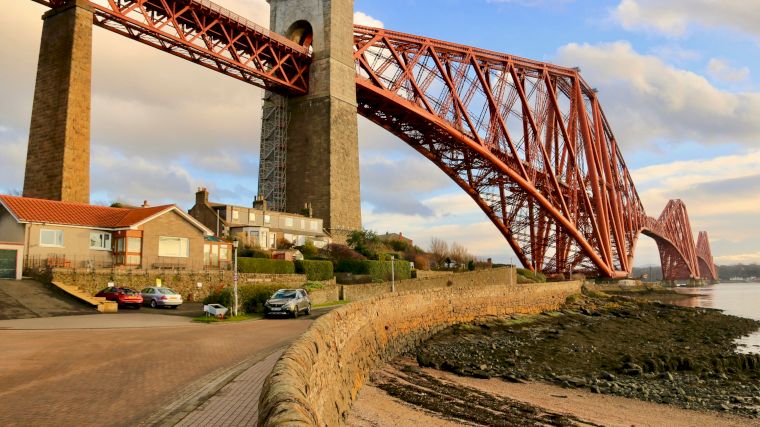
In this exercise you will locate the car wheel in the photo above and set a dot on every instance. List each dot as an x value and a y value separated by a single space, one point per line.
153 303
137 306
295 312
174 307
308 310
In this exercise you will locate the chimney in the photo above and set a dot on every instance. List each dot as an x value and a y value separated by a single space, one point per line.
260 203
201 196
145 204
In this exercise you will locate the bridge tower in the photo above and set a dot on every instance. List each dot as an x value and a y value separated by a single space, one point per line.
58 155
322 135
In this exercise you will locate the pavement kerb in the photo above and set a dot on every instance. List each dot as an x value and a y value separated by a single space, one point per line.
195 394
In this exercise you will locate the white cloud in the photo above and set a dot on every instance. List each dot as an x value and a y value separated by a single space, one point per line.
361 18
722 71
648 100
674 17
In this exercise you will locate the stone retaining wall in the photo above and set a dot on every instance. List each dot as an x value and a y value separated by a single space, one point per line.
329 293
184 282
319 376
474 278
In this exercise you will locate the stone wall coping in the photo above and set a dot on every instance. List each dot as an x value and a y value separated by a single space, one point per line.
320 375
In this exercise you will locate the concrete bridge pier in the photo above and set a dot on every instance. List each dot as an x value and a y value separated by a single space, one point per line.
58 156
322 135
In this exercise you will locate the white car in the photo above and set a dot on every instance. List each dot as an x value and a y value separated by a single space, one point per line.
161 297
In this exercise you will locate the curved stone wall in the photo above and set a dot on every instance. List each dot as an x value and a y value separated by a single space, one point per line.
319 376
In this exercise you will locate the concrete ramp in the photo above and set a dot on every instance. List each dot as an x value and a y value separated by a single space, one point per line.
27 299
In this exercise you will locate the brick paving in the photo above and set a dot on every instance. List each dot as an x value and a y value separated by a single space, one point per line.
237 403
120 377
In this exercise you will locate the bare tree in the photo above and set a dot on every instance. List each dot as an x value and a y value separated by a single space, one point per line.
439 250
459 254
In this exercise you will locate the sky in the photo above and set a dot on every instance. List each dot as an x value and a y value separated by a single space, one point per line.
679 81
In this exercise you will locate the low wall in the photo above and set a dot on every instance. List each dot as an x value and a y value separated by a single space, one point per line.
473 278
320 375
329 293
184 282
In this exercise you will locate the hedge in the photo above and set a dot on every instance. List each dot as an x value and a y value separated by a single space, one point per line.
266 266
379 270
315 270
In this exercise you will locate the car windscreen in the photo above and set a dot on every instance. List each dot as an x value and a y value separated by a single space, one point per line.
284 295
166 291
128 291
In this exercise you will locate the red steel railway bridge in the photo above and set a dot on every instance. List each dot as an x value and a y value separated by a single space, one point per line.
527 140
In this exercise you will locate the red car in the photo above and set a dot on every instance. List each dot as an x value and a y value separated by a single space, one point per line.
122 296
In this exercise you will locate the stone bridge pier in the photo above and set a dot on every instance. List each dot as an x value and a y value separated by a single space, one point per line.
58 156
322 136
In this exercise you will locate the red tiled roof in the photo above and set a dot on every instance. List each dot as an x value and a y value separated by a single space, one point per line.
68 213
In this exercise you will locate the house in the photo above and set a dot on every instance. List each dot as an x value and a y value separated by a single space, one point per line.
64 234
257 226
396 237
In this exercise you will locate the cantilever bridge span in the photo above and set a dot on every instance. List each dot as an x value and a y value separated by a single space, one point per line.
527 140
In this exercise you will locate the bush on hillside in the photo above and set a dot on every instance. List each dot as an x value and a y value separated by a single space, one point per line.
526 276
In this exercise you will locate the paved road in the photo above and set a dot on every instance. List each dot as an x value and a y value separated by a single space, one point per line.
27 299
123 377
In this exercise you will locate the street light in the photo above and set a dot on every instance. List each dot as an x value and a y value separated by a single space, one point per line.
393 274
235 278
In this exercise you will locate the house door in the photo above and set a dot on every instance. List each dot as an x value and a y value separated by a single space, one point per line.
8 263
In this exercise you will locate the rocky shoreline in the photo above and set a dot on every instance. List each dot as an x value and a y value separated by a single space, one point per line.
613 345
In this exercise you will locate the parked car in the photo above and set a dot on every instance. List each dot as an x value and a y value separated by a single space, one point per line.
122 296
161 297
288 302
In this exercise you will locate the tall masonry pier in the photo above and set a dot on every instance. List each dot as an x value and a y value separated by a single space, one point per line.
58 156
322 135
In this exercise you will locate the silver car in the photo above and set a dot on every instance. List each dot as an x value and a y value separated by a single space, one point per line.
288 302
161 297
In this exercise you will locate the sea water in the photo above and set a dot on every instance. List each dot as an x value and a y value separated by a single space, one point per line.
737 299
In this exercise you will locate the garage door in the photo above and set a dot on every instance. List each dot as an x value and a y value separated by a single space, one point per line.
7 264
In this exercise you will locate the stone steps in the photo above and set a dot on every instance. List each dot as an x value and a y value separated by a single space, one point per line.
100 303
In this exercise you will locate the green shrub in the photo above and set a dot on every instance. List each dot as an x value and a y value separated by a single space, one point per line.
532 277
219 296
315 270
378 270
267 266
252 297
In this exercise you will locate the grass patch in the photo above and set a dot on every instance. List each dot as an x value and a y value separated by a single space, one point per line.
330 304
238 318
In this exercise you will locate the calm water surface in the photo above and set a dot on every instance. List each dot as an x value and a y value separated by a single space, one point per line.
738 299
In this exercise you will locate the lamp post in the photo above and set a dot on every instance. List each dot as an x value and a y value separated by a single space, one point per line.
235 278
393 274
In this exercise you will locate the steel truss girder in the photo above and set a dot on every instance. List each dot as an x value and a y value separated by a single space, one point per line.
528 141
209 35
707 268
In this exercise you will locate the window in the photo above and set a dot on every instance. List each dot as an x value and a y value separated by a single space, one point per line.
315 226
303 224
234 214
251 217
51 238
224 253
134 244
288 222
177 247
100 241
267 219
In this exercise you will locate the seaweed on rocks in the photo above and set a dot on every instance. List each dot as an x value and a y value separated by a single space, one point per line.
613 345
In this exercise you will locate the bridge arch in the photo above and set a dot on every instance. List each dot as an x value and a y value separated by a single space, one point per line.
527 141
